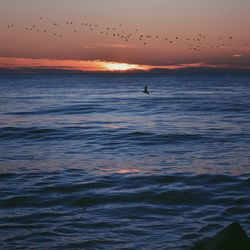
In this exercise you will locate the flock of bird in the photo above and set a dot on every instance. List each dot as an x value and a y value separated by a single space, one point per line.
197 42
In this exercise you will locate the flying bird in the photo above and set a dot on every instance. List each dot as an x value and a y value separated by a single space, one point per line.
146 90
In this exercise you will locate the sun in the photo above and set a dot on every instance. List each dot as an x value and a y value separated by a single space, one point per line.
112 66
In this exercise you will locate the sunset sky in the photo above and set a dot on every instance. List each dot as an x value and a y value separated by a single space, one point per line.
91 34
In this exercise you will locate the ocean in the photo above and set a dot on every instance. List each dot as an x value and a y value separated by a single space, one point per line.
88 161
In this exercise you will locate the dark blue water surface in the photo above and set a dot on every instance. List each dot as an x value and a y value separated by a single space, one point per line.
90 162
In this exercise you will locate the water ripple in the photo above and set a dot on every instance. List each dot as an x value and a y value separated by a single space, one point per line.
75 206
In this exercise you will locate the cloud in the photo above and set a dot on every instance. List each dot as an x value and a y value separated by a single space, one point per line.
103 45
101 65
236 56
86 47
89 65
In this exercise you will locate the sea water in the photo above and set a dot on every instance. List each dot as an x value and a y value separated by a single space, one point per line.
88 161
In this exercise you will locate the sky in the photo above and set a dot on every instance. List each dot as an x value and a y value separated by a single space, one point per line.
105 35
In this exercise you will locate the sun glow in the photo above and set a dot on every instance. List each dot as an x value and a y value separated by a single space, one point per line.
112 66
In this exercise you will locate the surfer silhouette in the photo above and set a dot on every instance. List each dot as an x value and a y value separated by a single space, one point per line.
146 90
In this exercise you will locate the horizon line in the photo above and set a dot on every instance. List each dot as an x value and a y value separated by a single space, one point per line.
102 66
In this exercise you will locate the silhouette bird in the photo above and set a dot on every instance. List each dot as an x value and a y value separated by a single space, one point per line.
146 90
196 42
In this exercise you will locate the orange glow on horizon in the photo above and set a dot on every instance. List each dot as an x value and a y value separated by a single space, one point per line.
92 66
97 65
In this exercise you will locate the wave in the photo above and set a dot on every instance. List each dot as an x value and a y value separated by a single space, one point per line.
95 133
121 208
36 133
66 110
